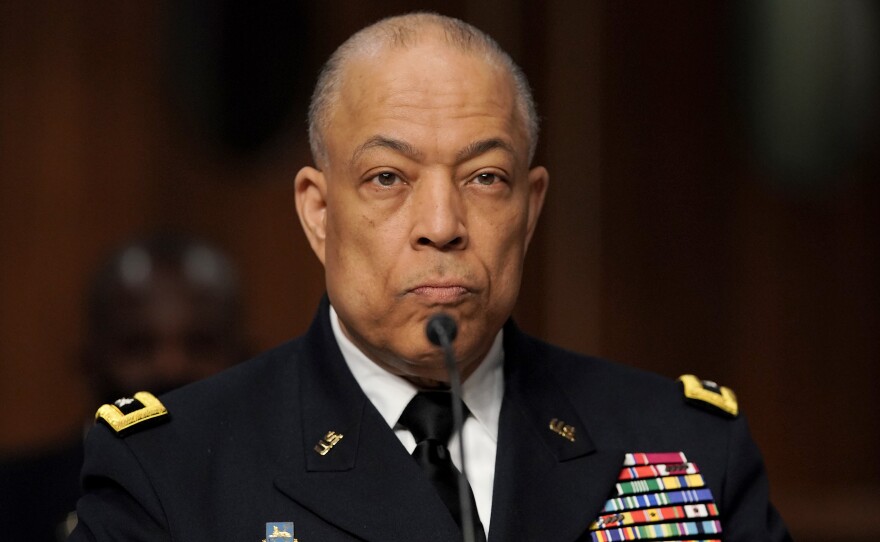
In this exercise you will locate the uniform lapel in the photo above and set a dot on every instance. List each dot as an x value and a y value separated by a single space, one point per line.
364 482
550 480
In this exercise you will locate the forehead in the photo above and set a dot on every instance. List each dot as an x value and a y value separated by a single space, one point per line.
427 93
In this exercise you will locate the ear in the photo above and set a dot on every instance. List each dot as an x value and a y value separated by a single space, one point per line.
310 189
539 178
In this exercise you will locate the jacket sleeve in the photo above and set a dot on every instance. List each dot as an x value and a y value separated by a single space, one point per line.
747 513
118 502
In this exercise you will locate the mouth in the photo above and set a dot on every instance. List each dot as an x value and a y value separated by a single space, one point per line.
443 294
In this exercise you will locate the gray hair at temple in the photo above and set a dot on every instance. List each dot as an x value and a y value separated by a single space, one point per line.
403 31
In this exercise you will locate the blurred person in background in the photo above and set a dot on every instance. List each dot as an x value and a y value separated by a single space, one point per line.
163 311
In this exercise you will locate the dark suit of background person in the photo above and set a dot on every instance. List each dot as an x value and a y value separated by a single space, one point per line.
163 311
422 199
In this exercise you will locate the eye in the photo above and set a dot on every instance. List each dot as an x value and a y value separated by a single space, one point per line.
386 178
487 179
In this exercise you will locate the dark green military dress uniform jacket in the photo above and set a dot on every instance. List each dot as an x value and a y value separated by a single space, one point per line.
253 445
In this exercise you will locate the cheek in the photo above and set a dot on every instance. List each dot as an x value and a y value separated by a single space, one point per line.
508 273
501 237
362 250
508 242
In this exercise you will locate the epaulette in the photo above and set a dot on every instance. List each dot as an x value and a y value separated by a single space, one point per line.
709 396
129 412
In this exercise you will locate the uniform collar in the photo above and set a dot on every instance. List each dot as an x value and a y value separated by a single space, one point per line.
389 393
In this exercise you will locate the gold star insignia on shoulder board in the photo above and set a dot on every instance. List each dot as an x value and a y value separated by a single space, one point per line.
124 414
709 396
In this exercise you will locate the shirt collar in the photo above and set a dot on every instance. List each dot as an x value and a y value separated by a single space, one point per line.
389 393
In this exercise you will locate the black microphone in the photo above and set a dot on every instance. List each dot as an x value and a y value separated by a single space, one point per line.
441 331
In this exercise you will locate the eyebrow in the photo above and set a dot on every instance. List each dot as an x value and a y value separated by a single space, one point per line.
386 143
482 147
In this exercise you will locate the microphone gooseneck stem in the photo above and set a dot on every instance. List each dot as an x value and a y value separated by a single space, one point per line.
467 514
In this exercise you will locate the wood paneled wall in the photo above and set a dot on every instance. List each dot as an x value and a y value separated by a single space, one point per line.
665 244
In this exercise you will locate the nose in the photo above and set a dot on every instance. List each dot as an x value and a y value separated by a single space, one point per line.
439 215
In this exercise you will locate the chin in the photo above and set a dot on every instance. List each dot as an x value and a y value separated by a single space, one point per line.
425 359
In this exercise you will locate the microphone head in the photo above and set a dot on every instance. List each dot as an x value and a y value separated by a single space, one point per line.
441 326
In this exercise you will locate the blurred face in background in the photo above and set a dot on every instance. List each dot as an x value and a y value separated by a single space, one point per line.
159 321
166 334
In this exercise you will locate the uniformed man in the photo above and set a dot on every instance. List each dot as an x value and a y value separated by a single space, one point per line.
422 200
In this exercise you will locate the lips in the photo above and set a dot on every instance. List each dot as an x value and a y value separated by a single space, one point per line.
436 293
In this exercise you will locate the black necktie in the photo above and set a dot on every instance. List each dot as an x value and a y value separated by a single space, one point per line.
429 418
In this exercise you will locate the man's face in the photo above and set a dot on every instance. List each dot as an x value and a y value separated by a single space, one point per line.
164 333
425 204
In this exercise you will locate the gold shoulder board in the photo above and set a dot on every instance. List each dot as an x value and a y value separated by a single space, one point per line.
709 395
128 412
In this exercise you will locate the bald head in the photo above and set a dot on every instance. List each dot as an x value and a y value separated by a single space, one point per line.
405 32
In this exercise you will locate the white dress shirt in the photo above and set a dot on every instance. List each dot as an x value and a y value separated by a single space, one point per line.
482 393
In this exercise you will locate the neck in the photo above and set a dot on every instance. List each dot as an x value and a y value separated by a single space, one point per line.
428 373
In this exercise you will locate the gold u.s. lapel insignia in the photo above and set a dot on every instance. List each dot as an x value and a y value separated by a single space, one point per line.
327 443
562 429
279 531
